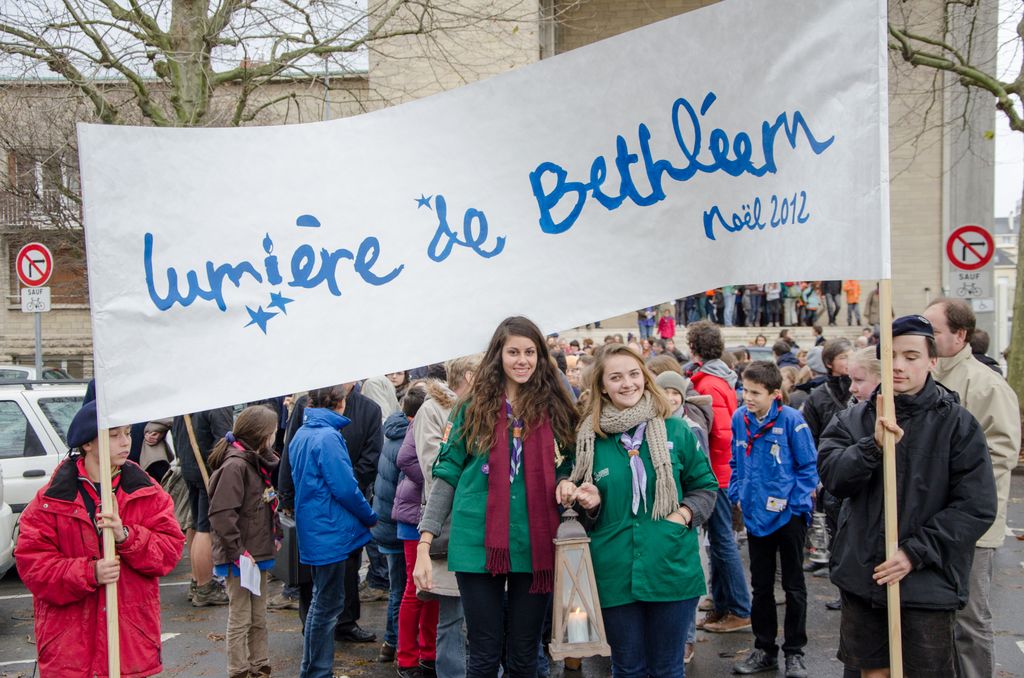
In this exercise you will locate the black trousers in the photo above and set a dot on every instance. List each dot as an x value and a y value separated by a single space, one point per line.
487 629
350 613
788 543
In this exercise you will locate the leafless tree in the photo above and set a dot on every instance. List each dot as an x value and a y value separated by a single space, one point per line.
194 63
946 45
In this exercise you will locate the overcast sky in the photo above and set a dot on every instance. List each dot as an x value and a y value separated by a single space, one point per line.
1009 145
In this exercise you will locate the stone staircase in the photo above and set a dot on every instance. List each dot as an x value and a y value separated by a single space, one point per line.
733 336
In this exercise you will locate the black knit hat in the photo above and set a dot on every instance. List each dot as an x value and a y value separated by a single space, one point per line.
84 427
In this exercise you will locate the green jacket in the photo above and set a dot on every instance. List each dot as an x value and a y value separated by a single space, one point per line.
466 473
636 558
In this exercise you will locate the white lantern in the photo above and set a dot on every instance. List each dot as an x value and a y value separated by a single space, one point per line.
577 628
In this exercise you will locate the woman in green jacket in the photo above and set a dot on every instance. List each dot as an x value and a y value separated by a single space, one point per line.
641 471
499 460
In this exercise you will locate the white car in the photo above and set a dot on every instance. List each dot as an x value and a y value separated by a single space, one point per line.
34 422
28 373
7 523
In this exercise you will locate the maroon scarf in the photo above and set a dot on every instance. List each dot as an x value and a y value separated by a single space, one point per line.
539 474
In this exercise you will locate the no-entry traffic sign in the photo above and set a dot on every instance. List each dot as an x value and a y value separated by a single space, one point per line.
970 247
34 264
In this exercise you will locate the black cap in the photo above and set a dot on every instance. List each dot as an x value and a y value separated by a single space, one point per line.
912 324
83 428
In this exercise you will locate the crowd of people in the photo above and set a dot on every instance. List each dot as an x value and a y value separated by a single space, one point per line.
780 304
452 478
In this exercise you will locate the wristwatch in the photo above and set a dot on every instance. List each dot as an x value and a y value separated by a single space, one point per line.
125 528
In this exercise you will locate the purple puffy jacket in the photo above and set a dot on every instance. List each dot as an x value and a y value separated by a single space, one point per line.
409 493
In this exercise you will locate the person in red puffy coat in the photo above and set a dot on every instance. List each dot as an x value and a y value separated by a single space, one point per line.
712 377
59 554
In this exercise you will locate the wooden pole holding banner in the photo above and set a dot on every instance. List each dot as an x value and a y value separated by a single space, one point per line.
892 536
109 554
196 452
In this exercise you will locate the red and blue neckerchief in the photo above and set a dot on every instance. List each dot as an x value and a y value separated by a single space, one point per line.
90 491
632 444
517 444
269 494
761 432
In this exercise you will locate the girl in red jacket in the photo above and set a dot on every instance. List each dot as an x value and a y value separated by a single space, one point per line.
59 558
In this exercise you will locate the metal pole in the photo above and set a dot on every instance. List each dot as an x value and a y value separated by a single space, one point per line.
39 345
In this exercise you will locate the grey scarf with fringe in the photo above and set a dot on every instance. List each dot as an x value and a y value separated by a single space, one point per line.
615 421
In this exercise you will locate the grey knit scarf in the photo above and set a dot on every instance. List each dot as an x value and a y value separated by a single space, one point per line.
615 421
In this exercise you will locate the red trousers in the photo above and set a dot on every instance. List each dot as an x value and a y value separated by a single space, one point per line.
417 620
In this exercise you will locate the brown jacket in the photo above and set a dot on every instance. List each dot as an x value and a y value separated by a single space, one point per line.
240 520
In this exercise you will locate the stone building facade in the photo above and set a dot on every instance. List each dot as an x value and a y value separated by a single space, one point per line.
510 34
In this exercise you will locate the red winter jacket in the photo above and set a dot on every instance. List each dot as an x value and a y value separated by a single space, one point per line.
56 549
723 402
666 327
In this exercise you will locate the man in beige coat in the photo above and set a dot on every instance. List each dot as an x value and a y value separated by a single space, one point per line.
429 430
993 403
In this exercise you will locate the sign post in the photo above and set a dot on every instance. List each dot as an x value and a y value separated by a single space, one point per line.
35 266
970 251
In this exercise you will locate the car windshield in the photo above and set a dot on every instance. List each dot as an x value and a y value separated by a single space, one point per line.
60 411
13 374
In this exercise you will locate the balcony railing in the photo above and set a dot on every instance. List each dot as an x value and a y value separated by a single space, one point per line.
50 209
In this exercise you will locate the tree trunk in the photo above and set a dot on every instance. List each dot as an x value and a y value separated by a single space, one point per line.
1015 359
189 61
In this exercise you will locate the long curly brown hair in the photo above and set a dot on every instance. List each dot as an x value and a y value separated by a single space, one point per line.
544 395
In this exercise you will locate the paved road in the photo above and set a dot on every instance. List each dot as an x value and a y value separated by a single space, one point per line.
194 637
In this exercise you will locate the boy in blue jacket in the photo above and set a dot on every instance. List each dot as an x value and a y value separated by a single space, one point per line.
774 475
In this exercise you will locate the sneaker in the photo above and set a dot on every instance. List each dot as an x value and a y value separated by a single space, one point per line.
372 595
355 634
728 624
386 654
191 589
795 667
689 652
706 605
757 661
209 594
710 618
261 672
428 667
279 601
834 605
410 672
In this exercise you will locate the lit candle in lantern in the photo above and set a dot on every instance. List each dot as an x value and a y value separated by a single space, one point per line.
578 627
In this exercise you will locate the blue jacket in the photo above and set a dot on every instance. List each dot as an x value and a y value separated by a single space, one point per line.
331 514
775 481
385 532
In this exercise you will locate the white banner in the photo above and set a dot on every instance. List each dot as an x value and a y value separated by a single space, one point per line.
745 142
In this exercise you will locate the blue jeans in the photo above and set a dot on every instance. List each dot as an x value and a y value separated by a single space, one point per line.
729 588
397 576
377 573
730 310
451 638
645 638
755 310
318 638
